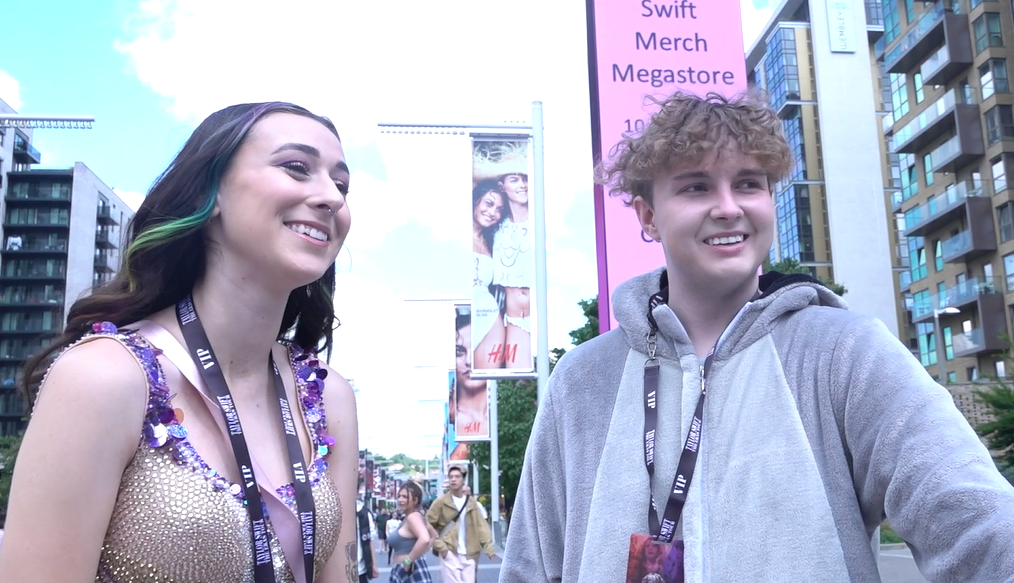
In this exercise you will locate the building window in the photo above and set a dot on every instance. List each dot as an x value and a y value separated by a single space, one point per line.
781 68
938 255
948 344
965 92
909 183
999 124
1006 220
899 96
973 373
892 25
993 77
927 166
1001 369
1008 269
952 377
909 11
999 170
927 342
917 258
987 31
973 3
917 84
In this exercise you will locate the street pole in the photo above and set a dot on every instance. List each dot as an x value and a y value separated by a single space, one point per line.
494 463
541 285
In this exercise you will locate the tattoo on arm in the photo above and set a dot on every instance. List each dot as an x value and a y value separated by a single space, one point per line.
351 563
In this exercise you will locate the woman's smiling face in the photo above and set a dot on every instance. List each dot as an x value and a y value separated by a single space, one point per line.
488 209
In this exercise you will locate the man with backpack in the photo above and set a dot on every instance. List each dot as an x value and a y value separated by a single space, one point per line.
463 533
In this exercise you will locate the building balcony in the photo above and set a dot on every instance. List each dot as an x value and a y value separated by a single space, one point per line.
103 240
24 153
896 199
904 281
36 248
104 214
31 329
942 209
943 115
33 275
104 264
929 32
952 58
32 300
48 222
970 243
976 342
983 291
959 151
37 195
887 123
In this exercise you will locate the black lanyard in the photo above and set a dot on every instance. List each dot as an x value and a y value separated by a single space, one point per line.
688 459
211 372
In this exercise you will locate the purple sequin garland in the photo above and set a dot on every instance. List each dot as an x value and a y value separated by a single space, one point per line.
163 429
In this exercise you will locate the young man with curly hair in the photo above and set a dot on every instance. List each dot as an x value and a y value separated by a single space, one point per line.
752 421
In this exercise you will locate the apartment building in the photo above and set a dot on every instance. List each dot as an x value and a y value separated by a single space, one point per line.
832 213
949 127
61 234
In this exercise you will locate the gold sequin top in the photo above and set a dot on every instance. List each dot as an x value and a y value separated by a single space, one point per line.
176 520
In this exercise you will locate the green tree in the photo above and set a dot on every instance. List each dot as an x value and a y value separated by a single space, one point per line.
8 454
517 403
999 433
790 265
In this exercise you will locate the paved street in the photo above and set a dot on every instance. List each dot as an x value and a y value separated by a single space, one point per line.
898 566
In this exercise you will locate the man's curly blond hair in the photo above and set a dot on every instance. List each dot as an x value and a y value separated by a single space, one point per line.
685 130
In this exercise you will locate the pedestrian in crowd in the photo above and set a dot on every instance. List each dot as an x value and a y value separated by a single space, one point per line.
393 524
382 529
791 425
166 440
463 533
411 540
366 533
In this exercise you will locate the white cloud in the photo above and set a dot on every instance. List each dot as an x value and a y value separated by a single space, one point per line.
754 20
10 90
130 198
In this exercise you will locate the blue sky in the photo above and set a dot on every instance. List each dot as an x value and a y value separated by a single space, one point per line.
150 71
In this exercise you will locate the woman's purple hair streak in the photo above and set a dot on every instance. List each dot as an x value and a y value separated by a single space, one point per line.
166 250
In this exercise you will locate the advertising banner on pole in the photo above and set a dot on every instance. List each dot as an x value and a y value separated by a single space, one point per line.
469 401
503 260
637 49
455 452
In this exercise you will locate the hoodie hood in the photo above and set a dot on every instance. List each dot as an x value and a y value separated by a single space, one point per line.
646 295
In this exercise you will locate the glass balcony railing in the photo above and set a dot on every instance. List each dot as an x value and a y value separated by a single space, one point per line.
905 279
39 246
874 13
928 117
968 290
969 342
926 23
37 298
35 326
938 205
1010 283
960 243
23 148
887 123
37 193
896 199
43 220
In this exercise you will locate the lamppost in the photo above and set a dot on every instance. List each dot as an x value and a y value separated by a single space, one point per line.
941 354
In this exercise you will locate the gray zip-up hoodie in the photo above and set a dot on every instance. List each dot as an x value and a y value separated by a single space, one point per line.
817 423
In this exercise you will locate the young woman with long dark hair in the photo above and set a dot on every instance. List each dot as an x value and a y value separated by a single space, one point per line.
186 430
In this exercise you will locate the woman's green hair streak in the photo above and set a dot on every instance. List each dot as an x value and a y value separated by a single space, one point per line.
166 251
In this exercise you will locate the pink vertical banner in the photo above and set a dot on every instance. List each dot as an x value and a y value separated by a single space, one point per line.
639 48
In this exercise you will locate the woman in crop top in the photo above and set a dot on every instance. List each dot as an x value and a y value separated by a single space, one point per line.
186 430
411 540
